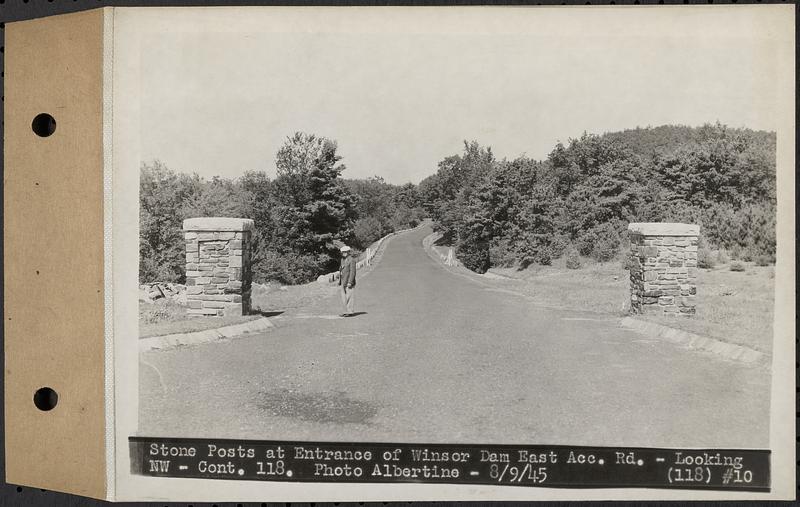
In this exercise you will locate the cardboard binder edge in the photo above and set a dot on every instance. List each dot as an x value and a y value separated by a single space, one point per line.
53 255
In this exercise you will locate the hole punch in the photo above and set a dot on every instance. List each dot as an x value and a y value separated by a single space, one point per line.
43 125
45 399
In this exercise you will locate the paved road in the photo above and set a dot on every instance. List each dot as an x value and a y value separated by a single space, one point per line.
437 357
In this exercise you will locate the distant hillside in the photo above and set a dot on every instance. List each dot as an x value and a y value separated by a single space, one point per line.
581 199
667 138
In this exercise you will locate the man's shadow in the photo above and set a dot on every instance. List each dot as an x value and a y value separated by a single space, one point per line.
264 314
356 314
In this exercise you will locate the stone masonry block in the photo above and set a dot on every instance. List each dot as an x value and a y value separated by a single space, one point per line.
216 297
218 224
202 311
664 229
663 260
218 265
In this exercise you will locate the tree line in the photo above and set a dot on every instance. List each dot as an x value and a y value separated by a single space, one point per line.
300 216
576 202
580 199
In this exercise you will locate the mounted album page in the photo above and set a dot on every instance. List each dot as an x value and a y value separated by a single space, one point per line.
307 254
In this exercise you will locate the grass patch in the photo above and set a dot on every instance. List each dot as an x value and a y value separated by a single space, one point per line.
275 297
164 317
733 306
596 287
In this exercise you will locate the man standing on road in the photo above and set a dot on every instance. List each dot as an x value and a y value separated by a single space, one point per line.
347 281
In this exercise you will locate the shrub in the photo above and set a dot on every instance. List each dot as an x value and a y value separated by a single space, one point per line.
405 218
605 248
573 259
545 255
722 256
585 243
474 256
737 266
292 268
764 260
559 245
746 232
501 254
735 252
705 259
532 248
601 243
367 231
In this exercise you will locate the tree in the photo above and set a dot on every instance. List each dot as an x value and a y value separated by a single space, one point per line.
588 190
314 207
162 194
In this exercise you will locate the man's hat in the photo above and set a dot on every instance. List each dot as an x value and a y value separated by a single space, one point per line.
345 249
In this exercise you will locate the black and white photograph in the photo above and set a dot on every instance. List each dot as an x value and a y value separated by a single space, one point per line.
499 226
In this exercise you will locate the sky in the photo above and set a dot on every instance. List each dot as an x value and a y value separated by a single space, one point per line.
401 92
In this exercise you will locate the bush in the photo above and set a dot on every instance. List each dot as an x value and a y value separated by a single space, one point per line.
573 260
764 260
747 232
535 249
161 268
405 218
474 256
737 266
501 254
705 259
291 268
605 249
735 252
367 231
585 243
601 243
722 257
545 255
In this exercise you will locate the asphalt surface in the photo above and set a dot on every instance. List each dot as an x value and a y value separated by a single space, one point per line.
438 357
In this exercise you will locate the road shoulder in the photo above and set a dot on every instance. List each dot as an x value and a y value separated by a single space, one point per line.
210 335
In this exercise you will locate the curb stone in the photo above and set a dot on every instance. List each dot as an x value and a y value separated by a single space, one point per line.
725 350
209 335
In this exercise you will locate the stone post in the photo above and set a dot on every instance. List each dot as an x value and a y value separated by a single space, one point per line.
663 268
218 275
